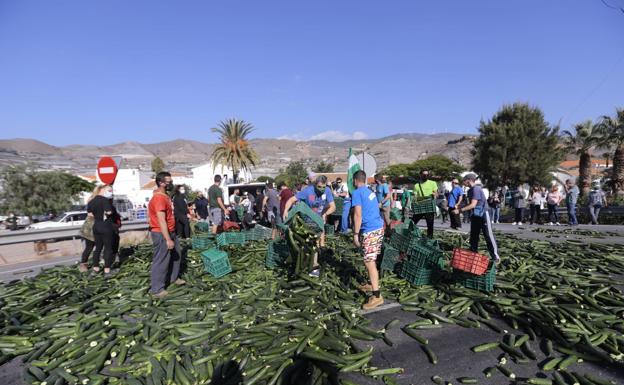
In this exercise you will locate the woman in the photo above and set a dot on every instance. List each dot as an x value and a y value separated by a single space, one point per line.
535 201
519 203
101 207
596 201
87 233
495 204
180 212
552 199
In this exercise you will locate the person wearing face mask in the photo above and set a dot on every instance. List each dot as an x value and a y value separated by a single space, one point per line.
101 207
425 189
166 259
319 198
180 212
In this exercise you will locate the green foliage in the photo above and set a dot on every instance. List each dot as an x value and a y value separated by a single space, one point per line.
29 192
516 146
157 165
323 166
585 136
295 172
265 179
234 150
439 166
612 136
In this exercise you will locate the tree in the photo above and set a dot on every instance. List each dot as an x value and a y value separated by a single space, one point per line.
265 179
516 146
580 142
606 156
323 166
611 129
157 165
234 149
29 192
295 172
439 166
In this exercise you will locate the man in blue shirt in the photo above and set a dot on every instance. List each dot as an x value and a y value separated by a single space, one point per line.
480 219
454 201
318 196
368 232
384 197
572 193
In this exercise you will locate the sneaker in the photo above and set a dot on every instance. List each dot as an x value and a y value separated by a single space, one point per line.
373 302
179 282
519 223
558 224
83 267
515 223
315 273
366 288
94 272
550 223
108 275
161 294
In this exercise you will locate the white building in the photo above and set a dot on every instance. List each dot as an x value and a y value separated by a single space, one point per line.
203 176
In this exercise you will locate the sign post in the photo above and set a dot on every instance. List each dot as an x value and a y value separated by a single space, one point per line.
107 170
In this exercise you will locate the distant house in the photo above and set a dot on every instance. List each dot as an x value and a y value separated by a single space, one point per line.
597 165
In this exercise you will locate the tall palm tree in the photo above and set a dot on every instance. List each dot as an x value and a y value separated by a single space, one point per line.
234 149
606 156
612 135
580 142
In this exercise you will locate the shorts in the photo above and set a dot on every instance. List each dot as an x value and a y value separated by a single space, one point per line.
371 244
385 212
273 217
216 216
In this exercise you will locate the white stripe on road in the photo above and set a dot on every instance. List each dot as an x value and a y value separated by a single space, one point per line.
36 266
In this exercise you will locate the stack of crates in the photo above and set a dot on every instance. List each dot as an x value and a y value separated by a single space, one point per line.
424 262
259 233
277 252
216 262
202 241
391 260
202 227
483 282
231 238
403 236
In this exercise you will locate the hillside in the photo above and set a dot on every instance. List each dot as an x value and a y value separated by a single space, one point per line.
182 155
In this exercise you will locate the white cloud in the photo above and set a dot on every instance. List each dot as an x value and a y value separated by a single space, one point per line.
339 136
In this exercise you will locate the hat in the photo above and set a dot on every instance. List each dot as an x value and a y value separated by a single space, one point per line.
470 176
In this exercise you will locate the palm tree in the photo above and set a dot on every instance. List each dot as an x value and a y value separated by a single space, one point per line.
580 142
606 156
612 135
234 149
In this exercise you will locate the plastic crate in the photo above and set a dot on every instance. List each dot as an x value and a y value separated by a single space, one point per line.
426 253
402 237
391 260
277 252
304 210
395 214
483 282
216 262
329 229
202 241
231 238
259 233
424 206
339 202
202 227
469 262
417 275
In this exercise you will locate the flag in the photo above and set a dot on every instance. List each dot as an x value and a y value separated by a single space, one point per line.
354 165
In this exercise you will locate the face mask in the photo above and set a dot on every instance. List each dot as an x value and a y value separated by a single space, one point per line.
169 187
319 190
182 191
108 194
425 178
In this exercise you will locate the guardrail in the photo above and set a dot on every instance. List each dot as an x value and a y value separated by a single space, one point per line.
59 233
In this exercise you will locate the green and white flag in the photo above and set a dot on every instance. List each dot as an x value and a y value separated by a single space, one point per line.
354 165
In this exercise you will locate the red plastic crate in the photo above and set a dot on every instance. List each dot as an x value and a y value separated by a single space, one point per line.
470 262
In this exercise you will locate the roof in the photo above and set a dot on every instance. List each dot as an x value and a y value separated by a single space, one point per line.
597 163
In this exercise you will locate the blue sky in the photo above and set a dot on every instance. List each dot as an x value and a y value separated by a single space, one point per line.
106 71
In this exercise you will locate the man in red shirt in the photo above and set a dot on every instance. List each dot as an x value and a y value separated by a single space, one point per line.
167 253
284 195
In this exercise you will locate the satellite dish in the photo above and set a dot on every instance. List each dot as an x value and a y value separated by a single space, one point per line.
367 163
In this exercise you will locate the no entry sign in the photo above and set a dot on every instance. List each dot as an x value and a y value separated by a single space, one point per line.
107 170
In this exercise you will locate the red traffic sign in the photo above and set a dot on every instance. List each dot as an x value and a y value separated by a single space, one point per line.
107 170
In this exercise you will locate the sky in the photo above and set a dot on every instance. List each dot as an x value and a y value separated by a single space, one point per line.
107 71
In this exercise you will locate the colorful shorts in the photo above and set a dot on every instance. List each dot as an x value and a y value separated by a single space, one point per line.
371 244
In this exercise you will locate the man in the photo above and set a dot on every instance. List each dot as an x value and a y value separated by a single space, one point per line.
384 198
572 193
215 202
271 205
201 206
166 259
321 200
454 201
480 219
406 201
368 233
596 200
12 222
285 194
235 198
259 205
425 189
342 191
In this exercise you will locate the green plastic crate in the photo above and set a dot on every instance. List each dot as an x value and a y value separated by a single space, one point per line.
424 206
402 237
395 214
240 212
202 241
259 233
329 229
425 253
216 262
418 275
339 202
483 282
231 238
202 227
308 214
277 252
390 260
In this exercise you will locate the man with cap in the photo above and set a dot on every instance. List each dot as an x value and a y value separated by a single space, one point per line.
480 219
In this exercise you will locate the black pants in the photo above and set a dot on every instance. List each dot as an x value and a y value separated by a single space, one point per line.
455 218
480 225
535 214
183 228
519 214
89 245
429 217
104 241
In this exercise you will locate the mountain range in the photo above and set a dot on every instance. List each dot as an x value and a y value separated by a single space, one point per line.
274 154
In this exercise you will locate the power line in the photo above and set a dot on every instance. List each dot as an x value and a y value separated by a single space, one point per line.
612 7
